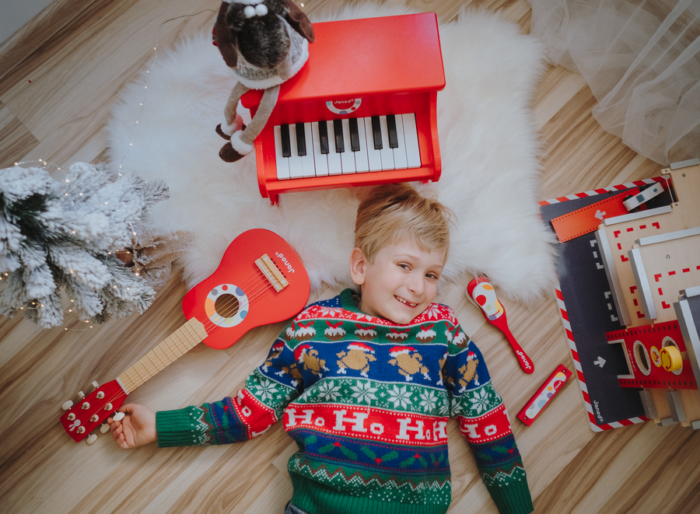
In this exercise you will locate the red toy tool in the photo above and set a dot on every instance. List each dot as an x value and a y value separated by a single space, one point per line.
482 293
544 395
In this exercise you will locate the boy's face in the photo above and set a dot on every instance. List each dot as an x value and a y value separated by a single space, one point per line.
401 282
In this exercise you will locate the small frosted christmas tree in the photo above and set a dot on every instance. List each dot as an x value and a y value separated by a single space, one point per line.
61 237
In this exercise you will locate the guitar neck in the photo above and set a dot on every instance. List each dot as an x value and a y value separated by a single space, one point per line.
175 346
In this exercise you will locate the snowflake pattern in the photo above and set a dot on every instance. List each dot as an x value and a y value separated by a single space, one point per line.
265 390
433 312
364 392
328 312
480 400
328 391
359 316
400 397
428 400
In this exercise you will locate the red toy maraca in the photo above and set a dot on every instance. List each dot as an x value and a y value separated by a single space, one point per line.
482 293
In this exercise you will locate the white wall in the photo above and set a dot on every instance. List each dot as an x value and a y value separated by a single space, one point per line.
15 13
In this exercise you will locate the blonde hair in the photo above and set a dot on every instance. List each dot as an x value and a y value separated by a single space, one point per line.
397 211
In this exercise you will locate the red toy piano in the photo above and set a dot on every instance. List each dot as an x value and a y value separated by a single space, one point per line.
362 111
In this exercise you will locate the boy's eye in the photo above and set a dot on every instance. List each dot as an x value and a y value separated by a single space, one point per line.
404 266
433 276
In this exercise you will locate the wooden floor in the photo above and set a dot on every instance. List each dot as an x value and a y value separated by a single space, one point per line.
58 78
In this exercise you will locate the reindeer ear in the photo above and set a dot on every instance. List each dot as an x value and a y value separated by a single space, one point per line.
298 20
224 38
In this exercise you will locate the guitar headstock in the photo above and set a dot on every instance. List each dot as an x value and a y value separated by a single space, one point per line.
92 410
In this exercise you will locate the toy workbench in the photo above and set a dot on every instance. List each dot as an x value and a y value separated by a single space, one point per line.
629 296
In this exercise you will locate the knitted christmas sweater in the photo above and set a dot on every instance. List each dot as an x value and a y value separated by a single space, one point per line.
368 401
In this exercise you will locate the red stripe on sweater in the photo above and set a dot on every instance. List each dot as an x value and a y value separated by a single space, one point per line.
368 423
489 427
254 415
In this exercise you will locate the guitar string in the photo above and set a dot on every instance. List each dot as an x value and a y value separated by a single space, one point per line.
251 283
263 285
121 394
247 285
254 282
210 326
254 296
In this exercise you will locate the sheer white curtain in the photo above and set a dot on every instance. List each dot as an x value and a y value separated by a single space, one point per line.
641 59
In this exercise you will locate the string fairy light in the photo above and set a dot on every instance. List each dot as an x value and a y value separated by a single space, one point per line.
53 168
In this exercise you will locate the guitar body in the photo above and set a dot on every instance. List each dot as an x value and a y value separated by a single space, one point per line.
238 297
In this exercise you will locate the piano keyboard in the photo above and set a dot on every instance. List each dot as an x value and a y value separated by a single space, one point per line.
351 145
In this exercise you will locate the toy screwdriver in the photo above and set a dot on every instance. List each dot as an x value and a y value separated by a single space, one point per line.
481 292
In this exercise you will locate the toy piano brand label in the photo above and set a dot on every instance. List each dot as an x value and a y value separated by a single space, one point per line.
544 395
344 106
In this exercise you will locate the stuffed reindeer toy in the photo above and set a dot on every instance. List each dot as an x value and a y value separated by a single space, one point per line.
265 42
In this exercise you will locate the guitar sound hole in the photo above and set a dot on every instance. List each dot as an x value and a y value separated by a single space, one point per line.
226 306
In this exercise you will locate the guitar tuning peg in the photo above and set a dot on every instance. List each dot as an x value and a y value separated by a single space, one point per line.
104 428
67 405
91 438
81 394
95 384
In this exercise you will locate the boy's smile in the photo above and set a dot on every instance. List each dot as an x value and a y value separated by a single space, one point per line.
401 282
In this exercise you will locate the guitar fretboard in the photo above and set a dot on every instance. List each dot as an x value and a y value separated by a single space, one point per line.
175 346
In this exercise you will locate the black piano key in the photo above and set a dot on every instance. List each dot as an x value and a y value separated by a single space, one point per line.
301 140
286 144
354 136
377 132
391 126
323 132
338 131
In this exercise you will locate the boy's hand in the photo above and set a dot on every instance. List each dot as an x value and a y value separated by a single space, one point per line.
136 429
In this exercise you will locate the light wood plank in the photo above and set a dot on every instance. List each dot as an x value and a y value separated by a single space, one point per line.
78 55
15 138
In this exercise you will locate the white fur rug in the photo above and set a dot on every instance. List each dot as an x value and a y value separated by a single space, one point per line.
488 142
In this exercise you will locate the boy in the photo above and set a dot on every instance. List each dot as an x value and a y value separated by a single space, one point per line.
365 384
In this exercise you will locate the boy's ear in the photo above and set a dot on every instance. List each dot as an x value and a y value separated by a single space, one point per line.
357 266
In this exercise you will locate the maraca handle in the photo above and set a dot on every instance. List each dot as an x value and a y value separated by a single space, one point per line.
525 362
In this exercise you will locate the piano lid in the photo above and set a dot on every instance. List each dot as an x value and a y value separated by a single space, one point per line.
352 58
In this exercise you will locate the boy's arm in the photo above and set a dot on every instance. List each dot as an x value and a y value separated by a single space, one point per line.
254 409
484 421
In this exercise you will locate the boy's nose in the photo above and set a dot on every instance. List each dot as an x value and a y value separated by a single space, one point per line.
415 284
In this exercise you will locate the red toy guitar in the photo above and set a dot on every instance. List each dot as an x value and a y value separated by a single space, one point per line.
482 293
260 280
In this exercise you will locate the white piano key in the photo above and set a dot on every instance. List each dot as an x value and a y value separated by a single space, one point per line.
281 161
373 156
348 156
410 133
387 153
295 167
400 160
334 164
307 161
361 160
320 159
